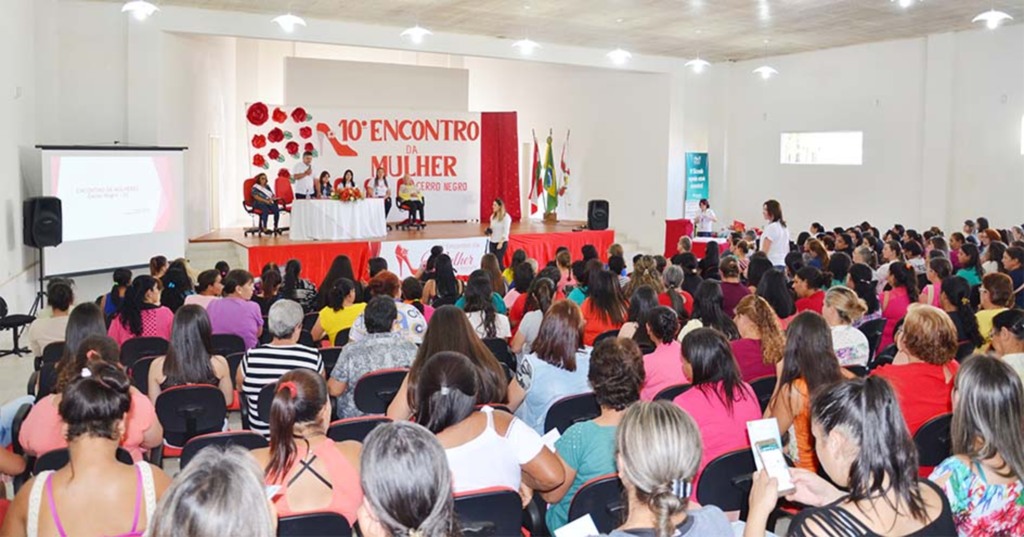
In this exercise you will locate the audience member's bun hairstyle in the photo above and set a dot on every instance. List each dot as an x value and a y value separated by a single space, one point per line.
299 400
94 348
863 279
337 294
130 314
729 268
85 320
221 492
560 335
760 312
663 323
708 309
903 275
999 287
445 391
673 277
958 293
809 354
867 413
407 483
847 304
157 265
188 355
239 278
616 373
95 402
450 330
987 414
929 334
713 365
659 449
385 284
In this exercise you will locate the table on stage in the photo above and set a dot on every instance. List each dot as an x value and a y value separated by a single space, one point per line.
333 220
700 245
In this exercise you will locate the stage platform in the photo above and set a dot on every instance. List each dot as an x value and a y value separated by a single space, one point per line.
539 239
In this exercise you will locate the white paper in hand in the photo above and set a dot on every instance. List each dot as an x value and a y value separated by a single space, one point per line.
581 527
550 438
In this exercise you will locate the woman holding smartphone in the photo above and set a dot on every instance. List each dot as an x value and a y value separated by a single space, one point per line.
498 231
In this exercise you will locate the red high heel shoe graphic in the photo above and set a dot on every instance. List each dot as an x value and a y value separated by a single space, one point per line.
402 255
342 150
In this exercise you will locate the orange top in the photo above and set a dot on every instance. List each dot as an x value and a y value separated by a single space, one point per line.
346 492
806 457
596 323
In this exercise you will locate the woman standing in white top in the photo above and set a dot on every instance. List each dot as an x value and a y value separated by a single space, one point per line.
775 239
706 220
498 231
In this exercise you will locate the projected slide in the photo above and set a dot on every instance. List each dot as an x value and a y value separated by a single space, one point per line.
112 196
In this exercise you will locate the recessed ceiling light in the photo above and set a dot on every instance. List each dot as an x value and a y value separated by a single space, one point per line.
619 56
140 9
416 33
766 71
992 18
289 22
526 46
698 65
903 3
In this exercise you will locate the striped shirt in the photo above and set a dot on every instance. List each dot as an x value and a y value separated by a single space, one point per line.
264 365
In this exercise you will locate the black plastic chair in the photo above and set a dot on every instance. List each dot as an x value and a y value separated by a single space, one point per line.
669 394
933 441
141 347
570 410
500 349
225 344
306 338
603 498
246 439
858 370
19 420
59 458
885 356
605 335
494 511
341 339
725 481
52 354
313 525
234 362
763 388
264 401
47 380
186 412
16 324
330 357
872 330
964 351
375 390
354 428
140 373
309 320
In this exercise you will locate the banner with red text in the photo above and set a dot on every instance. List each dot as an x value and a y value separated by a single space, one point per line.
406 257
439 150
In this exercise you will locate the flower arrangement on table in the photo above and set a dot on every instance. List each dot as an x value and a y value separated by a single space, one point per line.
348 194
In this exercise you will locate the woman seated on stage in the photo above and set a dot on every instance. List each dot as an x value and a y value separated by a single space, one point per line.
263 200
347 181
410 198
378 188
324 188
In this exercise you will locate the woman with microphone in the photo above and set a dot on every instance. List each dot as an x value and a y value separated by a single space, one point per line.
498 231
706 219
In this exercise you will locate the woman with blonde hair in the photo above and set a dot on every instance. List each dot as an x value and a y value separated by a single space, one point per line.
761 343
658 447
645 272
843 308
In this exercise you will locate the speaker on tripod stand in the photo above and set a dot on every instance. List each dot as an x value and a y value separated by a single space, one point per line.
43 227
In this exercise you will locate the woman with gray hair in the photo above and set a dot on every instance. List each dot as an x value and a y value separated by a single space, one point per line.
407 484
658 448
219 493
674 295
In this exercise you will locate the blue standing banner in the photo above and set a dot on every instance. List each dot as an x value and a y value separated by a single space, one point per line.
696 183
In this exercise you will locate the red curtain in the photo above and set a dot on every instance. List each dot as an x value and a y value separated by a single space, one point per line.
499 163
673 230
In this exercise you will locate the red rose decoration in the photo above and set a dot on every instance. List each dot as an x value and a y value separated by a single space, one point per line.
257 114
283 172
259 141
309 147
279 115
275 135
274 154
299 115
292 147
259 161
306 132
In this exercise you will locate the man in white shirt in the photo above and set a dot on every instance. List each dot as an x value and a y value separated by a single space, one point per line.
302 177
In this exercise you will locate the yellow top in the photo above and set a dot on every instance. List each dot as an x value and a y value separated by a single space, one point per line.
336 321
985 326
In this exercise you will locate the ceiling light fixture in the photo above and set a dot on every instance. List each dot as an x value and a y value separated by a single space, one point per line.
766 71
416 34
619 56
289 22
140 9
992 18
697 64
526 46
904 3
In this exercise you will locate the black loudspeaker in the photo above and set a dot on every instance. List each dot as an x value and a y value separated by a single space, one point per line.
597 214
43 225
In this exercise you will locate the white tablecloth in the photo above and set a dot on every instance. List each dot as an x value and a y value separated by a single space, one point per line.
333 220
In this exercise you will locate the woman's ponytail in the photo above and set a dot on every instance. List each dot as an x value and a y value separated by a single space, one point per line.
667 501
299 397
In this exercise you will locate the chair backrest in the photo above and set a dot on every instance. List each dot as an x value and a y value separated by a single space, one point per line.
722 482
59 458
3 308
246 439
48 377
375 390
247 192
283 190
858 370
313 525
330 357
354 428
605 335
341 339
19 420
933 441
493 511
234 362
670 393
603 498
569 410
500 349
763 388
872 330
309 320
53 352
306 338
264 401
188 411
225 344
141 347
140 373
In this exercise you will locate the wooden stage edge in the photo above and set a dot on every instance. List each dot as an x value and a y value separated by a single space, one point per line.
433 231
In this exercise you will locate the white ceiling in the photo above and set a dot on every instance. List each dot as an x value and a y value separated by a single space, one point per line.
716 29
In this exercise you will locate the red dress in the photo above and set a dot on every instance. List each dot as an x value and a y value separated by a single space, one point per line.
922 389
815 303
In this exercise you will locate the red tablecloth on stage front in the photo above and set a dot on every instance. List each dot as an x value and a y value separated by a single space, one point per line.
673 230
542 246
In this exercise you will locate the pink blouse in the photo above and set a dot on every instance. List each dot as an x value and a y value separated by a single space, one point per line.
663 368
895 310
156 322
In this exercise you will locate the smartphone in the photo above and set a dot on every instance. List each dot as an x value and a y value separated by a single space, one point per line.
770 453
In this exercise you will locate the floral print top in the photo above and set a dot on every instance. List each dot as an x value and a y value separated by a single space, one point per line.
980 508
